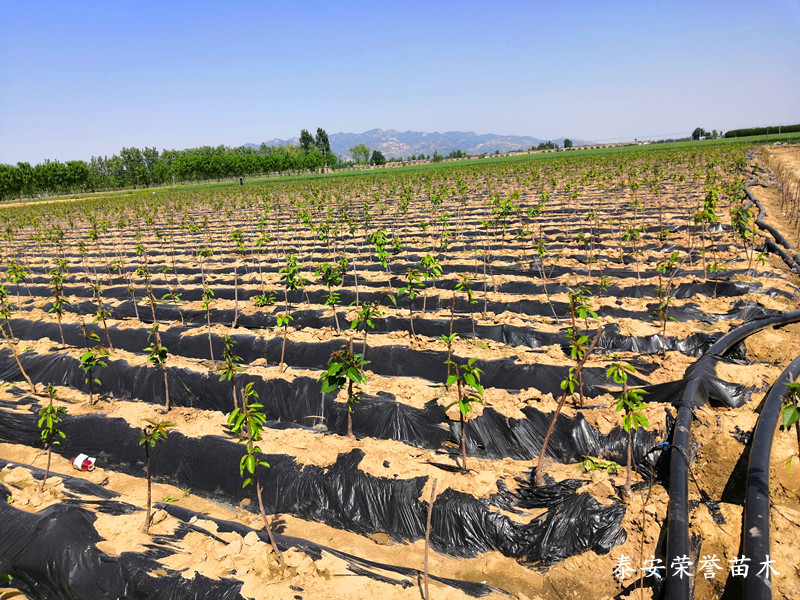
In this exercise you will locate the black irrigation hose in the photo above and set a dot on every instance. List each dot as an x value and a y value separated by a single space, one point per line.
679 588
755 523
792 261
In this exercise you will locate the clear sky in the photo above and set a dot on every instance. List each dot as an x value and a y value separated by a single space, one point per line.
81 78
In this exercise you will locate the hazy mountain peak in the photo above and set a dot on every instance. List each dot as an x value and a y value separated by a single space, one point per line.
402 144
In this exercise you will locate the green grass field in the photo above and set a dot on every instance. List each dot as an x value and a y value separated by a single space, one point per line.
491 159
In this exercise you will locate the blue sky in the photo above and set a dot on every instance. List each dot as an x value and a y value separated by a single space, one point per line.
82 78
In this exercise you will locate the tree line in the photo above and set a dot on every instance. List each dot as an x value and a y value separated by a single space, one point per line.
773 129
146 167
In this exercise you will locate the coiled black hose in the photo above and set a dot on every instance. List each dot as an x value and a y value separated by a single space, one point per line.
679 587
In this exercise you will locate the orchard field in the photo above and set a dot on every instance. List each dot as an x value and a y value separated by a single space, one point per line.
389 333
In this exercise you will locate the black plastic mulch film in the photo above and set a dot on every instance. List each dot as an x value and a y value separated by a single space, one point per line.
344 496
62 560
53 552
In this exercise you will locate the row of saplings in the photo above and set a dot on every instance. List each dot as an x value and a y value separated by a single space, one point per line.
346 368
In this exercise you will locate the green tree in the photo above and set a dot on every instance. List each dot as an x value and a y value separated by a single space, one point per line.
698 133
321 141
306 141
377 158
360 153
567 143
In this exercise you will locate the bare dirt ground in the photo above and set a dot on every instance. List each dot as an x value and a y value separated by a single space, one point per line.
587 575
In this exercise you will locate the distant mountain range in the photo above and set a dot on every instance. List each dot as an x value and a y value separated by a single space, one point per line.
402 144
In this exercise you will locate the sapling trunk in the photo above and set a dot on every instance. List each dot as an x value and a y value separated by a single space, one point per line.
148 517
158 341
463 434
60 329
135 306
210 343
411 316
267 524
628 492
102 314
235 299
428 537
16 358
349 409
285 330
47 468
562 400
355 279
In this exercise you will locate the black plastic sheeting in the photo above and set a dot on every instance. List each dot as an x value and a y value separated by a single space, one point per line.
493 435
267 317
395 360
358 565
341 495
194 343
224 289
53 554
37 579
755 522
300 403
710 388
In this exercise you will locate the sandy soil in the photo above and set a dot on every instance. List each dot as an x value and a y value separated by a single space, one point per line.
586 575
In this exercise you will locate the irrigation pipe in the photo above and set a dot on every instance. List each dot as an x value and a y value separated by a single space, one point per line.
787 251
678 585
755 523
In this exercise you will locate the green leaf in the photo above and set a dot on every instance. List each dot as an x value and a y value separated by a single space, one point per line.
334 368
791 415
329 386
251 463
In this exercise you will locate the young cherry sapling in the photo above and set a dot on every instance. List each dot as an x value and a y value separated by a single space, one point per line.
464 285
93 358
6 310
48 424
290 274
629 401
230 367
469 389
448 340
345 368
332 275
414 278
247 423
152 433
157 354
568 387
